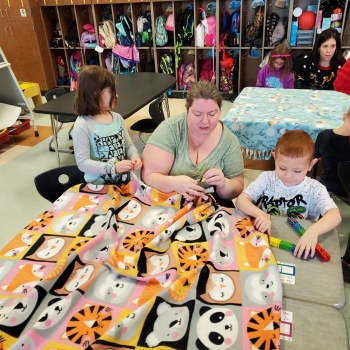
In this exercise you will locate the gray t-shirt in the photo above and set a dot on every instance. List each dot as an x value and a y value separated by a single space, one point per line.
308 200
171 136
96 143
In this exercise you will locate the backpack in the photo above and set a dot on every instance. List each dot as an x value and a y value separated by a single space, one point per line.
227 65
186 76
76 63
57 41
72 37
124 26
207 70
88 38
161 33
167 63
271 22
112 63
146 28
185 33
210 30
107 31
254 29
62 71
230 27
280 31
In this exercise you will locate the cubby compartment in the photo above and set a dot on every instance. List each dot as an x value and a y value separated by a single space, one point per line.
60 66
66 15
84 16
161 9
50 17
248 15
249 68
187 63
276 16
230 35
178 8
205 63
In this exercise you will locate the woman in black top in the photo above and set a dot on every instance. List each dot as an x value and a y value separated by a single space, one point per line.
318 69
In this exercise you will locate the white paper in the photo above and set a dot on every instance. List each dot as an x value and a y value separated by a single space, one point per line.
286 326
287 272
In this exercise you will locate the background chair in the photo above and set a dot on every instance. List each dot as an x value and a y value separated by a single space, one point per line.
149 125
50 95
50 186
343 173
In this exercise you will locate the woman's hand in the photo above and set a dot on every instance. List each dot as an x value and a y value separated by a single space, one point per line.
188 187
215 177
137 163
123 165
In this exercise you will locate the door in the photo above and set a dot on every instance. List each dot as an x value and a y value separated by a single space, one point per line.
27 66
6 41
18 11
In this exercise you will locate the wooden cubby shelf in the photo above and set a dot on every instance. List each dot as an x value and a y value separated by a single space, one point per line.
84 11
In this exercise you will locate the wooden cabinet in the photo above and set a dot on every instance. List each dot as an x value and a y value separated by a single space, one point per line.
247 64
21 40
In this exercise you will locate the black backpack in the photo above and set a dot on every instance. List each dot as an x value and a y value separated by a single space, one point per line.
167 63
271 23
185 33
254 31
72 37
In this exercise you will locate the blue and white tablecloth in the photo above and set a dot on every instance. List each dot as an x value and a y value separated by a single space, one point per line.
259 116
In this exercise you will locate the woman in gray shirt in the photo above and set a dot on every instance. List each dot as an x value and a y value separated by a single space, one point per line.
186 148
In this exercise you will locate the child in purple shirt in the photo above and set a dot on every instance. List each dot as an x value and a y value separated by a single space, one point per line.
277 73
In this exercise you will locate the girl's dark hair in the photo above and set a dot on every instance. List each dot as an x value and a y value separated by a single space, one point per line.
281 49
323 37
93 80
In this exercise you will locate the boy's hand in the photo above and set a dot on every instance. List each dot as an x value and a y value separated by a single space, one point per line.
123 165
215 177
307 243
137 163
263 223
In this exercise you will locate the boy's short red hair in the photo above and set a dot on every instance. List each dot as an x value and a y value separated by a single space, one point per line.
295 144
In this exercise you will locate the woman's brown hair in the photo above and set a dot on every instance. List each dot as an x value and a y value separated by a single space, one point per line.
205 90
282 51
93 80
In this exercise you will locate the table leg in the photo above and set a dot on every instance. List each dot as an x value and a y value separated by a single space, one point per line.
54 130
166 103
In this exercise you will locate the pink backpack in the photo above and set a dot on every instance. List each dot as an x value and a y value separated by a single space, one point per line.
210 36
88 38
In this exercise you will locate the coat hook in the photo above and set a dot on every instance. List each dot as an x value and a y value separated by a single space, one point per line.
179 9
243 57
200 56
245 8
224 8
83 14
142 55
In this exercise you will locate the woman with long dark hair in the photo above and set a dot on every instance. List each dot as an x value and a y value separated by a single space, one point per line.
318 69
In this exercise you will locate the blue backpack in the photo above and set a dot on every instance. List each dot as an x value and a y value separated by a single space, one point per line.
161 33
230 28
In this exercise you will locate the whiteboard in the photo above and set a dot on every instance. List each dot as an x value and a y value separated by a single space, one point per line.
10 91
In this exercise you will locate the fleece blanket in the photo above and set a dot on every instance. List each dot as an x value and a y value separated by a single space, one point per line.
129 267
